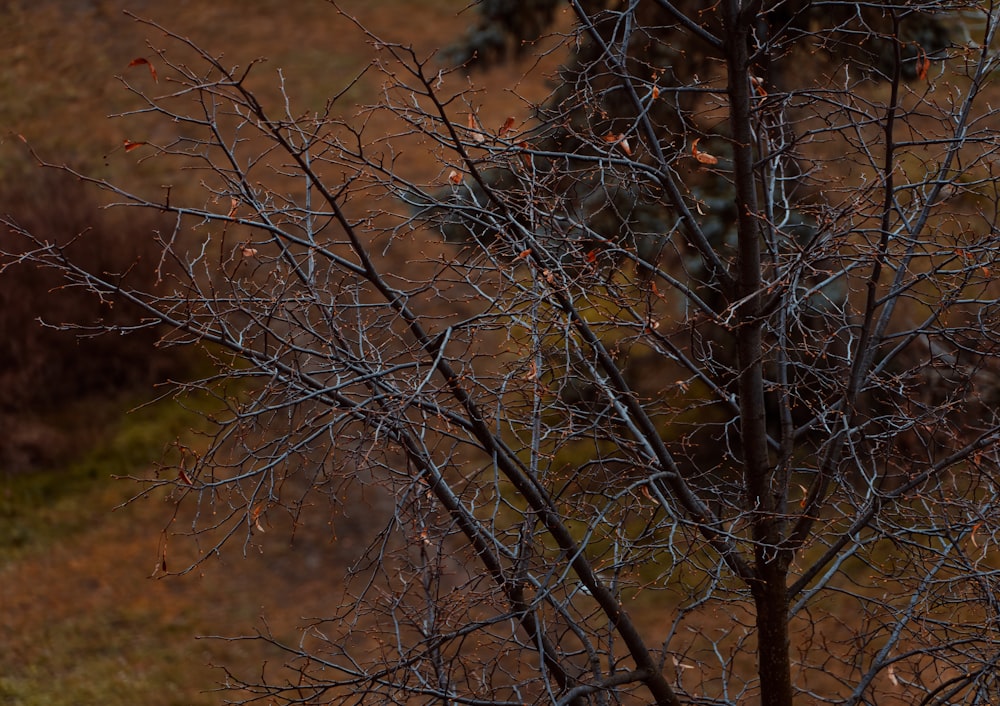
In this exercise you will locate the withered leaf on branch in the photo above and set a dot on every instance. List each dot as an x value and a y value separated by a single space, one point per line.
143 61
477 134
923 65
621 141
702 157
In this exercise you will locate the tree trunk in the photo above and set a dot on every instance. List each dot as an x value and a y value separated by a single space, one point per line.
773 666
769 590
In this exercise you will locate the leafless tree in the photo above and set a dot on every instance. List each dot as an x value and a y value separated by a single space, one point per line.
738 447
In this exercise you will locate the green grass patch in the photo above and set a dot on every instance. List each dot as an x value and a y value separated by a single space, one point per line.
86 624
41 507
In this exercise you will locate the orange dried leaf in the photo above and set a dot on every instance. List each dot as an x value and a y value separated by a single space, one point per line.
454 177
619 140
985 269
591 256
524 254
656 92
923 65
702 157
183 477
507 126
525 156
129 145
476 135
142 61
255 516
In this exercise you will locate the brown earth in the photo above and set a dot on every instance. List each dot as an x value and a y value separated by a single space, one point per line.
81 619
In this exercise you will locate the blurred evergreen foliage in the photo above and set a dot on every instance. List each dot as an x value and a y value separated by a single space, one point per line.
624 211
591 98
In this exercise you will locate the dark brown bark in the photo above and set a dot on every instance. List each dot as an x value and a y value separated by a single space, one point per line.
770 595
773 665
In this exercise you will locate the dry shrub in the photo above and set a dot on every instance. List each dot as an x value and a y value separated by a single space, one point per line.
47 359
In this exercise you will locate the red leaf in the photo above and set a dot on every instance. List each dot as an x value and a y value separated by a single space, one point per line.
140 61
129 145
507 126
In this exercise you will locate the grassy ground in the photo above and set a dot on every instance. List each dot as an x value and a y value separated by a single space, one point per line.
83 621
